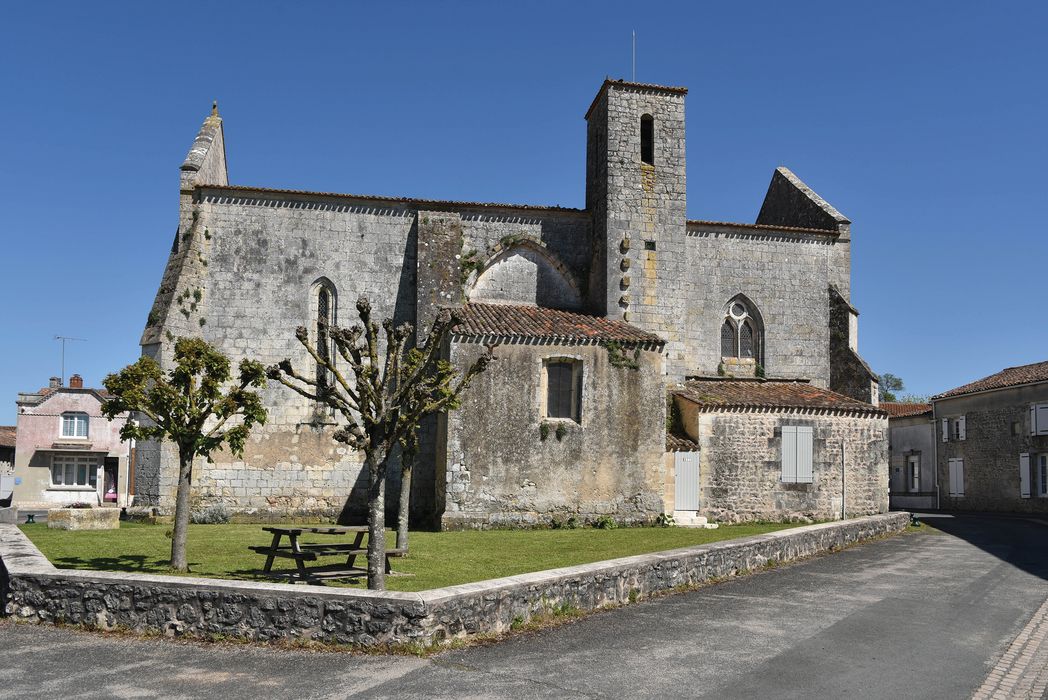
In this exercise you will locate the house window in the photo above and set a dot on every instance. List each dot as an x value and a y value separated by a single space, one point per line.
956 472
74 425
797 454
954 429
563 380
1042 475
913 464
74 470
740 332
647 139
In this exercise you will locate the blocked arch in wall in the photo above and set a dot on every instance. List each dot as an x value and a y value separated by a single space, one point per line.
524 271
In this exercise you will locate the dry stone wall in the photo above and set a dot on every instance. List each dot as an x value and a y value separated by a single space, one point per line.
32 590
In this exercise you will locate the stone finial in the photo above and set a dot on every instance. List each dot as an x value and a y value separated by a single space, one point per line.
214 108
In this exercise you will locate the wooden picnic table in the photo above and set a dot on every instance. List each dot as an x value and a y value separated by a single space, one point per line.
310 552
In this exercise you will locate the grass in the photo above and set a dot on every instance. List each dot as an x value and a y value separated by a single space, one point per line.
436 559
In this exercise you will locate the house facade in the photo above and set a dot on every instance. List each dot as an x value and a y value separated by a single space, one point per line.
598 314
992 439
67 451
911 438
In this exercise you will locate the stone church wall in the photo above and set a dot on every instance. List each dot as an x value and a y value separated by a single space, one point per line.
785 275
499 469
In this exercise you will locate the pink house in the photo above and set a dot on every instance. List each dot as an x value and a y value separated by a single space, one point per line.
66 451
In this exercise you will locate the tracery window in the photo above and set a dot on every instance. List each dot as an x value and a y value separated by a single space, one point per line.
740 332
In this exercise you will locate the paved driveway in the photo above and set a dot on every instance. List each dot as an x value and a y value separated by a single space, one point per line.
921 615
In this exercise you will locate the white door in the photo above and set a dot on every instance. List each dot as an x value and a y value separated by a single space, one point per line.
686 480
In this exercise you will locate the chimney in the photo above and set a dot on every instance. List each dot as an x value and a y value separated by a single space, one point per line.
54 383
76 382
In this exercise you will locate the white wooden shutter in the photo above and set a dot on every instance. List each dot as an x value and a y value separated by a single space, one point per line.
1042 418
1024 475
945 429
956 477
960 428
789 453
1033 419
804 449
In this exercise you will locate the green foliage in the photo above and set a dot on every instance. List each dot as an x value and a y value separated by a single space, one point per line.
561 431
674 421
634 594
888 385
759 370
665 520
152 319
198 294
605 522
543 431
468 264
618 358
190 405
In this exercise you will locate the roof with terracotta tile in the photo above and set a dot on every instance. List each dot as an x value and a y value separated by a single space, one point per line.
701 223
7 436
905 410
1012 376
516 322
679 443
759 394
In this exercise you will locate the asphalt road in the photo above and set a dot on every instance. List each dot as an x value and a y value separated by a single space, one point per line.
916 616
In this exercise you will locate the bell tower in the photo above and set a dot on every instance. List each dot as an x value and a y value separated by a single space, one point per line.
636 191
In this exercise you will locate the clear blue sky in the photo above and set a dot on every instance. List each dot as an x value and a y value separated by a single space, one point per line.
923 122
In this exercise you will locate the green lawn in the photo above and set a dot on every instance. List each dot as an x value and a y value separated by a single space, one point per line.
436 559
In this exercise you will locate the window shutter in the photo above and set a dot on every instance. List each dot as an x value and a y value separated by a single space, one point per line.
961 429
1024 475
789 453
956 477
960 477
945 429
804 449
1033 419
1042 419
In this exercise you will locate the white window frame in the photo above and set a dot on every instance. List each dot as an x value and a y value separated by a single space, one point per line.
797 450
76 419
75 472
576 388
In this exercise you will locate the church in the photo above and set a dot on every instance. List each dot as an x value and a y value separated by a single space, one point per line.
645 363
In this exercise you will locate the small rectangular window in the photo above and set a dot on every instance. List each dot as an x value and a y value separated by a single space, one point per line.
563 381
649 245
74 425
647 139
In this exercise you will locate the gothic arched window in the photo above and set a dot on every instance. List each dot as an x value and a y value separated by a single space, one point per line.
322 305
741 332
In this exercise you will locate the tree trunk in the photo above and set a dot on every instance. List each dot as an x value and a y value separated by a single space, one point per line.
405 501
376 524
178 538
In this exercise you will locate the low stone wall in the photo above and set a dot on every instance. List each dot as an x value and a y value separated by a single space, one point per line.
32 589
83 518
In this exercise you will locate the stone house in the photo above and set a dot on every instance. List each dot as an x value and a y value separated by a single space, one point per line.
67 451
599 314
7 463
911 440
992 440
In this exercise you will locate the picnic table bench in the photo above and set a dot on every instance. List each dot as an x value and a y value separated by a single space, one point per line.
311 552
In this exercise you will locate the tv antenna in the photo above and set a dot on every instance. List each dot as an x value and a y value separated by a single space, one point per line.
64 338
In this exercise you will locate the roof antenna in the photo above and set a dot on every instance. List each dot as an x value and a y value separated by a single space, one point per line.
64 338
634 79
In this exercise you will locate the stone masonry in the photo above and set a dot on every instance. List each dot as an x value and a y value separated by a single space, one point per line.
246 265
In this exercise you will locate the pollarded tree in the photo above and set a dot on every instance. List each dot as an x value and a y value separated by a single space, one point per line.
195 405
382 399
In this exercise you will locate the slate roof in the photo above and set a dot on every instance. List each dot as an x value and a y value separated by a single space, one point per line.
516 322
761 394
905 410
1012 376
7 436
